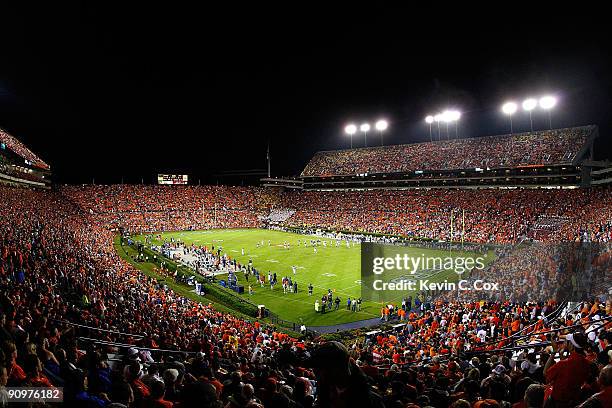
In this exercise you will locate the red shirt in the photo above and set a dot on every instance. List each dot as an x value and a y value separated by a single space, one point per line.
567 376
40 381
140 390
16 373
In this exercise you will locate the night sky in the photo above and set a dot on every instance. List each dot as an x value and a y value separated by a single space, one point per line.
105 93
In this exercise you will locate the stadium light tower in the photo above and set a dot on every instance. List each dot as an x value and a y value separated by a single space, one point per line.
449 116
350 130
429 120
365 128
509 108
547 103
381 126
438 119
529 105
454 116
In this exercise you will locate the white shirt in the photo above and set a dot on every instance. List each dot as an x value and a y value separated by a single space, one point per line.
482 334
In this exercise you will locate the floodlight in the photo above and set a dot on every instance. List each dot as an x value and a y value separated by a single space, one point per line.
509 108
447 116
438 118
381 125
350 129
530 104
429 119
454 115
365 127
548 102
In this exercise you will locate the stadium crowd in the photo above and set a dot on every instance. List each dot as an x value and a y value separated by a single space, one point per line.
534 148
141 208
58 265
11 143
58 268
483 216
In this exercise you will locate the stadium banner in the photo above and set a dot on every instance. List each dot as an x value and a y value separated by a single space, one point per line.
536 272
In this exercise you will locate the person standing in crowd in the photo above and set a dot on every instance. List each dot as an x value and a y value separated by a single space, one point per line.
340 382
568 375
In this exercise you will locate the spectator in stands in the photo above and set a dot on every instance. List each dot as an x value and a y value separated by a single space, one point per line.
534 396
156 399
3 381
604 397
567 376
340 382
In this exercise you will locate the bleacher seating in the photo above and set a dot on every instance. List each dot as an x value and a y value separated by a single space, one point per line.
546 147
11 143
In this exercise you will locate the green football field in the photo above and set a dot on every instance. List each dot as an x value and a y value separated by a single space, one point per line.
331 267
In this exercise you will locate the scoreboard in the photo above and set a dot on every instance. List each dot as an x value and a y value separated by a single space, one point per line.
181 179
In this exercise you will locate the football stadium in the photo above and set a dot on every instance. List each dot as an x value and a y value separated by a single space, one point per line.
462 266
